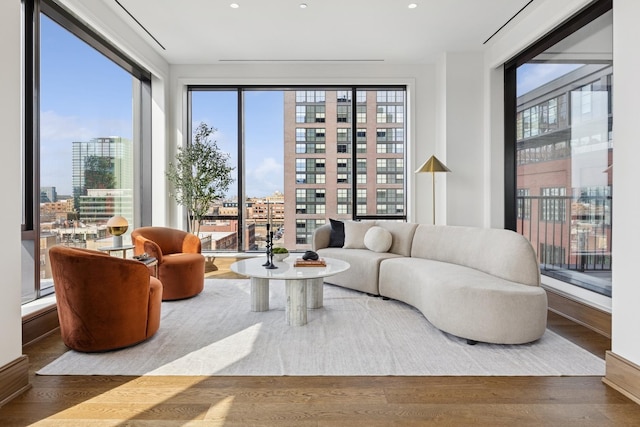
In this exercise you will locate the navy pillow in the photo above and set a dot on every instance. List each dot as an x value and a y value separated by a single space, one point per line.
336 239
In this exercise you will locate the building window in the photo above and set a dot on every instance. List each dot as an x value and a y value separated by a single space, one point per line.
344 114
310 114
524 203
343 96
310 96
390 114
361 113
553 204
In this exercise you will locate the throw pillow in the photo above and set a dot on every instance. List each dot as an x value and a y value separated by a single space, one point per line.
354 232
336 239
378 239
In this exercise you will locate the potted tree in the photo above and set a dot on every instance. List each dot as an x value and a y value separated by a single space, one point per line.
200 175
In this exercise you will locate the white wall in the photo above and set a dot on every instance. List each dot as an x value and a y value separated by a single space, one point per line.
419 79
626 180
10 173
461 140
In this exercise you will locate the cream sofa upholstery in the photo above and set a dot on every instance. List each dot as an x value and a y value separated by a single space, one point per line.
475 283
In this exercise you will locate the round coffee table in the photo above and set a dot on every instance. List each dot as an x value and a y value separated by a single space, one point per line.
297 280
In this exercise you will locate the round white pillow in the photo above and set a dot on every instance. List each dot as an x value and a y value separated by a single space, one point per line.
377 239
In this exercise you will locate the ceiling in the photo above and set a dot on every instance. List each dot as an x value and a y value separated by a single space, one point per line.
212 32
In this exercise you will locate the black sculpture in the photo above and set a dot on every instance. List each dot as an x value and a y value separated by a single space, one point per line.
269 264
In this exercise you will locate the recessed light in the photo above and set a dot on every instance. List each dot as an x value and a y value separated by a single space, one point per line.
303 5
412 5
234 5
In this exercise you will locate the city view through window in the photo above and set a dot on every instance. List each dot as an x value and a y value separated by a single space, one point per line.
564 156
301 166
86 147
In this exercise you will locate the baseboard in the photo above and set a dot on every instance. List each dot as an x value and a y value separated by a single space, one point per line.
583 314
39 324
14 379
623 376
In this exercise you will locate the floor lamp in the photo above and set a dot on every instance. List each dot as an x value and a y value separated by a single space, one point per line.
433 165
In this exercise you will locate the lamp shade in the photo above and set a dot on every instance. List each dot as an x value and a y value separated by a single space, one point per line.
433 165
117 225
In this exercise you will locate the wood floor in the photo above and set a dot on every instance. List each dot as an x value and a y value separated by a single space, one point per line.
320 401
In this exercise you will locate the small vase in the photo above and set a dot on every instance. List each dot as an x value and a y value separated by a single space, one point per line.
280 257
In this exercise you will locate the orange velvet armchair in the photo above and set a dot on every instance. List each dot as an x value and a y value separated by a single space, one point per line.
180 262
104 302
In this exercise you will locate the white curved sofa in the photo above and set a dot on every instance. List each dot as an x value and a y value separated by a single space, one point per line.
476 283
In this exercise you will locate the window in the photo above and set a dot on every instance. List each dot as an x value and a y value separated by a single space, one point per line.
310 114
305 167
553 204
344 114
390 114
559 139
524 203
86 170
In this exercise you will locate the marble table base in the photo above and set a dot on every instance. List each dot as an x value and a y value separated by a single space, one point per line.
300 293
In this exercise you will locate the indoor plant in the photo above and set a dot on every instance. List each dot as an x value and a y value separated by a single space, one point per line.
200 175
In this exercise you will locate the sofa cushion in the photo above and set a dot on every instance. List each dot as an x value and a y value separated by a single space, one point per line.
362 274
378 239
402 235
336 238
354 232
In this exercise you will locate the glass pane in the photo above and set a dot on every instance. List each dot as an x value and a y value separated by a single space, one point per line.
317 159
219 109
86 144
264 168
564 156
298 158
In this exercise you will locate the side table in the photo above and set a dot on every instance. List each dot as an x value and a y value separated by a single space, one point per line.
123 248
150 262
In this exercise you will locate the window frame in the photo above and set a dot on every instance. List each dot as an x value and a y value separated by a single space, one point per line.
30 226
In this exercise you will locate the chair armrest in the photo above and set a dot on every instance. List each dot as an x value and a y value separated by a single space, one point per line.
152 249
191 244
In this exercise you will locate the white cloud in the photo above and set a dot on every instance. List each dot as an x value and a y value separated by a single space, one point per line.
266 178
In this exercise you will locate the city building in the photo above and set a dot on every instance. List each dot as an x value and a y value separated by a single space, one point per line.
564 159
320 158
48 195
101 163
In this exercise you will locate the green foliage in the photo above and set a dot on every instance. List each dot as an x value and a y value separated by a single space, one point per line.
279 250
200 175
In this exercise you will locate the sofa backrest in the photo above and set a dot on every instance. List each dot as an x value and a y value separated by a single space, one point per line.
401 236
502 253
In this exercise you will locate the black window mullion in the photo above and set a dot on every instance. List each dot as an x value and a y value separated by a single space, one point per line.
241 158
354 153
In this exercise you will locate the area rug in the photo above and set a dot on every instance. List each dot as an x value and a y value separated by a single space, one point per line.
215 333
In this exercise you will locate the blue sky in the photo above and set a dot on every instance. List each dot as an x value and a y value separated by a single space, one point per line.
264 134
83 95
